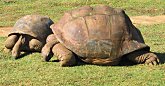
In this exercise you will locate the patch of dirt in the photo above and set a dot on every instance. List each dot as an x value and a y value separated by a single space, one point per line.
4 31
147 20
137 20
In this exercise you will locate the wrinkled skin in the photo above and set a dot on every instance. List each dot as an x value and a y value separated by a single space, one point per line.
67 58
100 35
28 35
53 47
18 43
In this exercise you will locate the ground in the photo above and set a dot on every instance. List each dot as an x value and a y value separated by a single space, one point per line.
137 20
4 31
147 20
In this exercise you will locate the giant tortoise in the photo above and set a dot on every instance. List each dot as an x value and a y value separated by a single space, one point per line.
28 34
99 35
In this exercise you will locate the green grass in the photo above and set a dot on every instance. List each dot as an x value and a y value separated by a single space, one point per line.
154 37
11 10
31 71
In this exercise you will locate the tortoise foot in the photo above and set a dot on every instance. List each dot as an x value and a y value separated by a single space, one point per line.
151 59
67 62
65 56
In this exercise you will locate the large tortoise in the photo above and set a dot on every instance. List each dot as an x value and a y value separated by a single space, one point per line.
98 35
28 34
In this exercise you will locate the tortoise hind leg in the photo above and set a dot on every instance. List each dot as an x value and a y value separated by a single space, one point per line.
35 45
11 40
143 57
66 57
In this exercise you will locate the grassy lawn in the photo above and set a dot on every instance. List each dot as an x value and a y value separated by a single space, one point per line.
30 70
11 10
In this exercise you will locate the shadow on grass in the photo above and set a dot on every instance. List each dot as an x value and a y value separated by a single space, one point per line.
79 62
24 54
161 57
123 62
126 62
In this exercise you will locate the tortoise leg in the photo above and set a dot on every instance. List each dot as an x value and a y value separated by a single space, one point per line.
35 45
66 57
17 47
145 57
47 49
7 50
151 59
11 40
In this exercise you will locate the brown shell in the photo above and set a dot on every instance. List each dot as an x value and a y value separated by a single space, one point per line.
98 32
34 25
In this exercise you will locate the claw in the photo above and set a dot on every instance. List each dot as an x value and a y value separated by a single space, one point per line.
47 50
7 50
46 53
150 64
152 59
47 57
155 63
158 61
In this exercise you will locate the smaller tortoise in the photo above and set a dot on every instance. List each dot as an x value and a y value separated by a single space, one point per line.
98 35
28 34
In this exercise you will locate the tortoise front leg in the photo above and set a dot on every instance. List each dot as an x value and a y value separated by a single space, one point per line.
17 47
47 49
151 59
66 57
145 57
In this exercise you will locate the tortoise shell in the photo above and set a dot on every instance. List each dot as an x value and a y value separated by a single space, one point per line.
34 25
99 32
